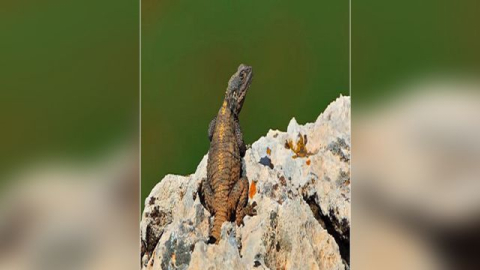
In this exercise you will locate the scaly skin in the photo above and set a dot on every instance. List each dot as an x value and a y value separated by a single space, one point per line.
224 193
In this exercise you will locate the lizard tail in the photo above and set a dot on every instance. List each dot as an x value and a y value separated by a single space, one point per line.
220 218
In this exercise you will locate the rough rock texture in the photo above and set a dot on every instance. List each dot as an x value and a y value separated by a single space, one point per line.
300 180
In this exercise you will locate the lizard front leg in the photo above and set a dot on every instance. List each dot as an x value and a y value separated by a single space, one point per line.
211 128
239 138
238 201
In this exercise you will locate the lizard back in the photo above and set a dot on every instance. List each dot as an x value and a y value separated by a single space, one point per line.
224 161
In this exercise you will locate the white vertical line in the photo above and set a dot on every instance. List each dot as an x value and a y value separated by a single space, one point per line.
139 115
350 51
351 128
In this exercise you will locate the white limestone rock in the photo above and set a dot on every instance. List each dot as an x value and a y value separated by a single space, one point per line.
303 205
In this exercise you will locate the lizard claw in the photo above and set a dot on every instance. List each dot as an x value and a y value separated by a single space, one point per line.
251 209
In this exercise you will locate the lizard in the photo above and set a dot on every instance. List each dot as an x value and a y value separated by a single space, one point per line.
224 192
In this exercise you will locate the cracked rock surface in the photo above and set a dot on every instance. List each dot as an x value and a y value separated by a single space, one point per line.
300 180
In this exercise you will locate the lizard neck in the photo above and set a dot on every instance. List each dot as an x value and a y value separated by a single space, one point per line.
225 110
228 110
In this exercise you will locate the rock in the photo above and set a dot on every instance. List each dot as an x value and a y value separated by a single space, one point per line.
300 180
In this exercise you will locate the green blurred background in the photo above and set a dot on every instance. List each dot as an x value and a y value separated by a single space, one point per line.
299 52
394 42
69 79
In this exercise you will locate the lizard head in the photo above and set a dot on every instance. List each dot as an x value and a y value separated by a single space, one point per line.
238 87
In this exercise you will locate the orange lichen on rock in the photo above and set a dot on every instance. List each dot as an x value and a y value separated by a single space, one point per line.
300 149
308 161
253 190
269 151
